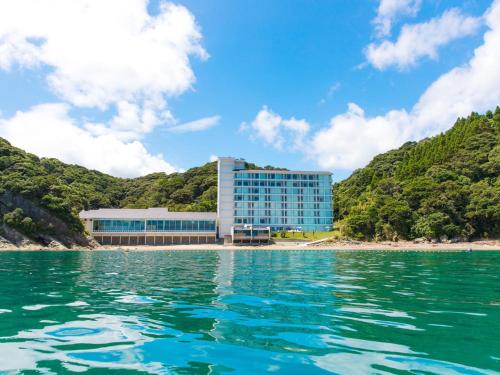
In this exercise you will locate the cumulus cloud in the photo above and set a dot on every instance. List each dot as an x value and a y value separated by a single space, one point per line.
102 52
352 138
421 40
276 131
48 130
108 55
389 10
131 121
213 158
195 126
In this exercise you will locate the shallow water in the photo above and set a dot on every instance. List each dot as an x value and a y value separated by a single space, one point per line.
248 312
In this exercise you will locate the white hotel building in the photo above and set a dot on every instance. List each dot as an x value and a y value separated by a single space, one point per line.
250 205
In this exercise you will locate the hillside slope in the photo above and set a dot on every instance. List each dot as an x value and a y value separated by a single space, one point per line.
53 192
447 185
39 195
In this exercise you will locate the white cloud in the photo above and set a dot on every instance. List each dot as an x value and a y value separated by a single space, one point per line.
213 158
389 10
47 130
131 121
276 131
266 126
352 139
102 52
195 126
421 40
106 55
298 129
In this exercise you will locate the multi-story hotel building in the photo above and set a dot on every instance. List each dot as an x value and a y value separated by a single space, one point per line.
278 199
250 205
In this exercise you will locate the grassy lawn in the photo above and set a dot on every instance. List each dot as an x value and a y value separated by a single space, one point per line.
307 236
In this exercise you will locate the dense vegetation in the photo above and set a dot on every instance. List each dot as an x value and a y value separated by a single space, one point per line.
445 186
64 190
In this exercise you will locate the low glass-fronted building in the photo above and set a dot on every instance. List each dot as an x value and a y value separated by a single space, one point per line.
152 226
279 199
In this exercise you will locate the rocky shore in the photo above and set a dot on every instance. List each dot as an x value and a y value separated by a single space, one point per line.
17 241
278 245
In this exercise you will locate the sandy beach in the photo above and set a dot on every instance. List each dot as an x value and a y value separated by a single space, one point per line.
297 245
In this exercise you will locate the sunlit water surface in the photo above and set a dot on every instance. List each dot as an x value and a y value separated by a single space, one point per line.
249 312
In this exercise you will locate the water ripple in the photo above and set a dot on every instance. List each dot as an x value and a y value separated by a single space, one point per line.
249 312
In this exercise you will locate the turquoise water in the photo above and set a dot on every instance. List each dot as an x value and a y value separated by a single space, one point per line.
249 312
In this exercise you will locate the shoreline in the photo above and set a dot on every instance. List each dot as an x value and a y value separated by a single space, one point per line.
484 245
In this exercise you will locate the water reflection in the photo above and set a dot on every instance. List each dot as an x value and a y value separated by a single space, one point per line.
249 312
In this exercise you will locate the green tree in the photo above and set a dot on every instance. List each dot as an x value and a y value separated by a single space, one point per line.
16 219
446 184
431 226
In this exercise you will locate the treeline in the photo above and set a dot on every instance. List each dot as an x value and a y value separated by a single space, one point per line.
64 190
443 187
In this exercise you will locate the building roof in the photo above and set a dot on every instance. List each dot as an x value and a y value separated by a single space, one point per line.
148 213
270 170
283 171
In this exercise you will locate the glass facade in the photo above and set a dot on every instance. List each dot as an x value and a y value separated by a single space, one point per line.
250 233
108 225
283 200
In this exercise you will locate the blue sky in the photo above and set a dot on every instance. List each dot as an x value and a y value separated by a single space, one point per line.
287 83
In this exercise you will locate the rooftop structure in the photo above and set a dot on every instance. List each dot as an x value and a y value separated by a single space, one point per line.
145 213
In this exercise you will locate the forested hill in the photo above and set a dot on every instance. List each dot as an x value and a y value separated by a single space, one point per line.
42 197
447 185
